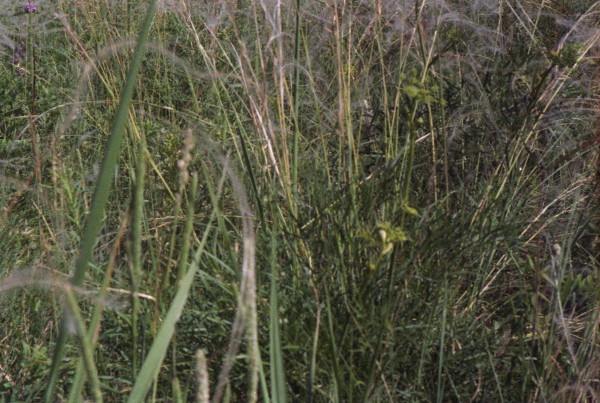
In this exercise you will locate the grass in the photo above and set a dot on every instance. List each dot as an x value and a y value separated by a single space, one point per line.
299 201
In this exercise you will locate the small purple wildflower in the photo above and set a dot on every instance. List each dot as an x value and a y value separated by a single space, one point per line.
30 7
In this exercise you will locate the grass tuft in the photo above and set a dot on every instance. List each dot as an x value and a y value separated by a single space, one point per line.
299 201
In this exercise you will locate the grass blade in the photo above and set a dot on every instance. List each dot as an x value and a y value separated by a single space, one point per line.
136 234
278 386
95 217
94 326
87 351
163 338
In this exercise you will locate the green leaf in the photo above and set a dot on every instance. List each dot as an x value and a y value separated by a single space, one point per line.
410 210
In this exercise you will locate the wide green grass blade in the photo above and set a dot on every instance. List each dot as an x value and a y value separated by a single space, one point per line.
95 217
163 338
278 386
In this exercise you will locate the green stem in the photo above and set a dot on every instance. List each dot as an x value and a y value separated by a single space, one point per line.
136 232
183 263
187 231
295 100
87 351
94 326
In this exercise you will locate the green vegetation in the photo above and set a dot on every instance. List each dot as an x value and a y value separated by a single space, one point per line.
304 200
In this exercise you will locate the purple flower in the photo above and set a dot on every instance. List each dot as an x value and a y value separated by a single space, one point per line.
30 7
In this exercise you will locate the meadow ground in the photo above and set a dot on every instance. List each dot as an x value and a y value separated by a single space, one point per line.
299 200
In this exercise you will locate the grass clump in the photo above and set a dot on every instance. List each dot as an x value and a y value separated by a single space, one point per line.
299 201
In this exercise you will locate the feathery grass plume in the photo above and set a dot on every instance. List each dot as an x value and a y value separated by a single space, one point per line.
57 283
245 320
202 385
